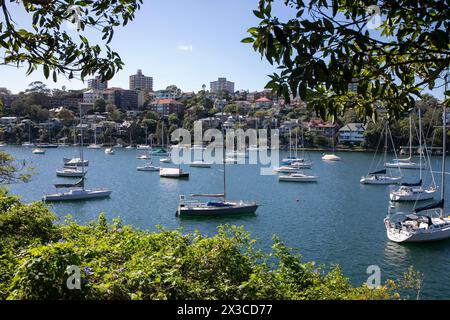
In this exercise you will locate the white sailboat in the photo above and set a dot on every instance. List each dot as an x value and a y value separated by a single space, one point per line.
405 163
95 145
78 191
148 167
415 192
331 157
145 146
381 177
109 151
71 173
38 151
427 223
29 143
298 177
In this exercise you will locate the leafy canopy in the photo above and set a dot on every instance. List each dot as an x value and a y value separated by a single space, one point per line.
327 45
51 43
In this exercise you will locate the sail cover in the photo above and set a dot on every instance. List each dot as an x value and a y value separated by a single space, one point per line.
418 184
379 172
436 205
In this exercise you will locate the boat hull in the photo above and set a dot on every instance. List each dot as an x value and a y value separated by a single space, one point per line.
76 196
237 209
413 196
380 181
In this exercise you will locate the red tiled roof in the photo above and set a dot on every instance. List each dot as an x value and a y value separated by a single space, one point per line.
165 101
263 99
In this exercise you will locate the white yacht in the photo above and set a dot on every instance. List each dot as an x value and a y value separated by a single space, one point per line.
174 173
94 145
38 151
166 160
427 223
109 151
415 192
145 156
75 162
331 157
71 173
406 163
412 193
77 194
78 191
381 177
286 169
298 177
148 167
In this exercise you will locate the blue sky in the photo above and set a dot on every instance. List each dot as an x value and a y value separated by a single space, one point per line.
183 42
186 43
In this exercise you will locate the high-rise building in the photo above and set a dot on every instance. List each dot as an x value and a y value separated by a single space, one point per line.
222 85
97 84
140 82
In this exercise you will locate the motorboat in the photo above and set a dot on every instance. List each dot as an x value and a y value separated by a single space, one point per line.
148 167
144 147
331 157
109 151
380 179
298 177
144 157
174 173
166 160
38 151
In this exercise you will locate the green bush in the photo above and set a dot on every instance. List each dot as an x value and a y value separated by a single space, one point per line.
119 262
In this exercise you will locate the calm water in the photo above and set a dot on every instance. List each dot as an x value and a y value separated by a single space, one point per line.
335 221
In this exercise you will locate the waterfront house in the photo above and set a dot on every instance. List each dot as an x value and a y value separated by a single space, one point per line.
352 133
319 127
166 107
263 103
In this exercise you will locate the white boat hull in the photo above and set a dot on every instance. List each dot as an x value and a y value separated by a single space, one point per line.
74 195
298 178
331 157
414 195
380 180
70 174
436 232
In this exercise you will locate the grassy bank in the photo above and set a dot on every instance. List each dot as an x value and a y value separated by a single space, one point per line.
120 262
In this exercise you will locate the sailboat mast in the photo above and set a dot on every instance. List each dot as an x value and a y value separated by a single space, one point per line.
386 126
444 147
420 143
303 143
410 137
81 146
224 168
290 143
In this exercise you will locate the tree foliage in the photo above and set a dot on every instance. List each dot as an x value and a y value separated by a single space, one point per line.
327 45
51 44
119 262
